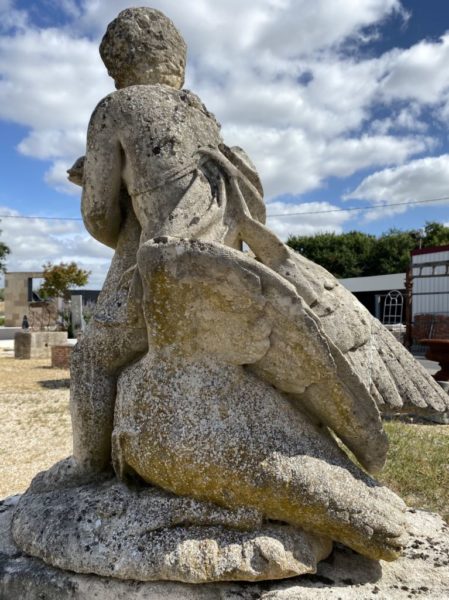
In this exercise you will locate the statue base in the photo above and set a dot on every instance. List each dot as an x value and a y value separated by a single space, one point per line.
423 572
144 533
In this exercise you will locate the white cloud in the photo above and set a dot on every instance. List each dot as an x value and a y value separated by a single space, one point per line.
422 179
419 73
50 79
34 242
288 27
322 23
56 176
52 143
405 119
291 162
307 218
50 82
249 80
70 7
10 17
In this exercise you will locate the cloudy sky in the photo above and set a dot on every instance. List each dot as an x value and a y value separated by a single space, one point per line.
340 103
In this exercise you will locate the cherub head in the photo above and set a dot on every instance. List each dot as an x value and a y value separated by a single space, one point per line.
142 46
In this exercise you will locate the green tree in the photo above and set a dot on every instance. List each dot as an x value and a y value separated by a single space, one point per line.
391 252
4 251
344 255
435 234
356 254
59 279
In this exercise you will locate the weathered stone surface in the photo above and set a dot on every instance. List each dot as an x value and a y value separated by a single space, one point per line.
422 572
143 44
192 419
242 313
147 534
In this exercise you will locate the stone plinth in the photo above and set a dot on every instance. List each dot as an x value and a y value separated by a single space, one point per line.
60 356
422 572
37 344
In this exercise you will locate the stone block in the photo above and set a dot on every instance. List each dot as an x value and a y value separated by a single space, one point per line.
37 344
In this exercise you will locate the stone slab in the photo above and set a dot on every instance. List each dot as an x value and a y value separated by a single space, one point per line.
423 572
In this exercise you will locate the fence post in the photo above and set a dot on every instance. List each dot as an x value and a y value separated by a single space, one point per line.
408 306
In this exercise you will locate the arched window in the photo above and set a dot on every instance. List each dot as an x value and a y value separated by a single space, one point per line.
393 307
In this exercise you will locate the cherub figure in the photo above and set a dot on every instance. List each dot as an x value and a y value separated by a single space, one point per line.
161 187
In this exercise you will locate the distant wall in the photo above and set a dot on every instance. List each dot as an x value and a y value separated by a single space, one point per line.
88 295
18 289
430 271
428 326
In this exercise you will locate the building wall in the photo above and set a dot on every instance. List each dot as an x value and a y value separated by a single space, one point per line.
431 282
17 288
372 291
88 295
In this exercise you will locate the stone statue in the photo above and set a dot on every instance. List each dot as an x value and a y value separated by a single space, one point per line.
216 392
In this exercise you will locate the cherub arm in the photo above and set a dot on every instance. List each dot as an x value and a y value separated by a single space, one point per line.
100 203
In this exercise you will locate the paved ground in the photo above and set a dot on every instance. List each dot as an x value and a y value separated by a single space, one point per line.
431 366
7 333
8 345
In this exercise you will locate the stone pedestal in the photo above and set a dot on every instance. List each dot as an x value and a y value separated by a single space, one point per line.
422 572
37 344
60 356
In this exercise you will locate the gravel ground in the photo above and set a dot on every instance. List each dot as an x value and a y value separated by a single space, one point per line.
34 413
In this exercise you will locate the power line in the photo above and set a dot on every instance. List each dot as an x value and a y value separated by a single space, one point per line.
41 218
352 208
295 214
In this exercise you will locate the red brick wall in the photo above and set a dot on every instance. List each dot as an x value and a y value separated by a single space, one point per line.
60 356
430 326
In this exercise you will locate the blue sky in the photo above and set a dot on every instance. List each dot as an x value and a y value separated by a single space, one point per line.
340 103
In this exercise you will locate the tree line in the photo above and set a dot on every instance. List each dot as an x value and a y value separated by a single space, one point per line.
357 254
351 254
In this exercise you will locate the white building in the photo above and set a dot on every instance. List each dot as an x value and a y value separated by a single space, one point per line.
430 272
430 293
